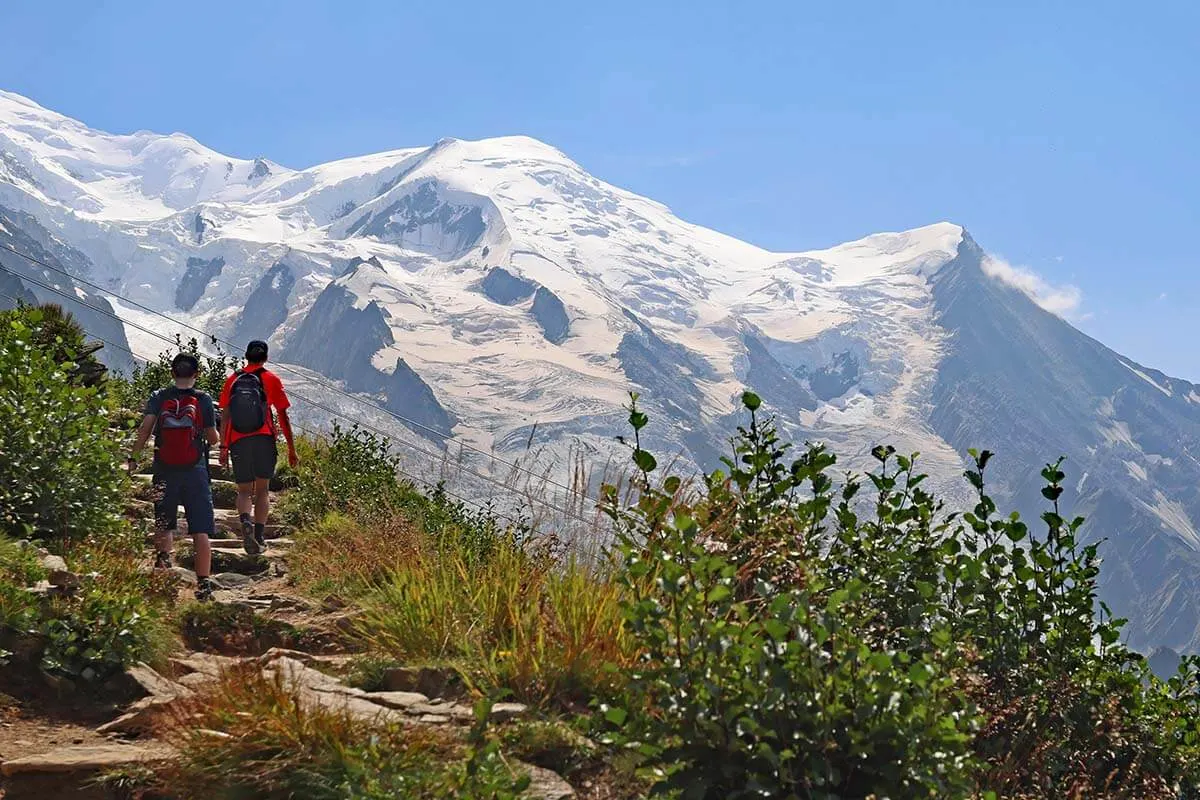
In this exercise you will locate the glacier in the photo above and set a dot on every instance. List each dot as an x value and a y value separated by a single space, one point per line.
491 305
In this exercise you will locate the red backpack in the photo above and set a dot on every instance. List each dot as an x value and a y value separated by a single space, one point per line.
180 426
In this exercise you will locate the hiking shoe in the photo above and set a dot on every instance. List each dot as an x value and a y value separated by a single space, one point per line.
249 540
261 538
204 590
162 560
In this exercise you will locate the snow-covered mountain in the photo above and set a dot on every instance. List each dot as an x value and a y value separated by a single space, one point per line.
499 297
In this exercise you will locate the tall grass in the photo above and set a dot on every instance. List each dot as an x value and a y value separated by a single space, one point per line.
438 582
547 631
252 736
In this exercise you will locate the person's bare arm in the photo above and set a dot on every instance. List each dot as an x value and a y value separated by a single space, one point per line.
211 435
143 435
224 438
286 425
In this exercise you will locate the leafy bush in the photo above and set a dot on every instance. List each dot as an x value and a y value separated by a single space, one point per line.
791 648
19 568
252 737
119 616
59 466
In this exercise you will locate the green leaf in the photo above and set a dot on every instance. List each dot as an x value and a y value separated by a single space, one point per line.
616 716
751 401
644 460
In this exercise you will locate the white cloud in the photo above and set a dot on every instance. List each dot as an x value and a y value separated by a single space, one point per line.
1162 296
1063 300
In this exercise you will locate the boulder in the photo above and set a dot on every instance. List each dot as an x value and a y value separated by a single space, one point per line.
185 576
206 663
65 579
52 563
142 681
232 580
545 784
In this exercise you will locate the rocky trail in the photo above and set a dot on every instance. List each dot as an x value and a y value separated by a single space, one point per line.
53 747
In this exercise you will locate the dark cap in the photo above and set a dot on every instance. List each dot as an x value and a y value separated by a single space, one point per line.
185 365
256 351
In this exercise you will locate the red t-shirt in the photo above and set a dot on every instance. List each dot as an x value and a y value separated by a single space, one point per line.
276 399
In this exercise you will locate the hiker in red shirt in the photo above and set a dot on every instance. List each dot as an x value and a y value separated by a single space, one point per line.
248 433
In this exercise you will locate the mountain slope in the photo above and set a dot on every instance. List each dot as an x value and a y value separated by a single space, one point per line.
497 296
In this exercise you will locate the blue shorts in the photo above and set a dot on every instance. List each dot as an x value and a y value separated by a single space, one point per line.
189 488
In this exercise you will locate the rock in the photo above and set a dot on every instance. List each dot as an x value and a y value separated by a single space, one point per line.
52 563
65 579
332 603
429 681
434 719
206 663
185 576
155 684
276 653
228 559
224 494
139 718
70 771
545 784
281 602
87 760
449 711
506 712
197 680
232 580
141 681
400 700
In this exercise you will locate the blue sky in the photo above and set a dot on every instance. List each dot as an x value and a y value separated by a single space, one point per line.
1064 136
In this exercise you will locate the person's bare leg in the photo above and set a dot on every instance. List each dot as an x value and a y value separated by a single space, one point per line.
203 549
245 499
164 541
262 500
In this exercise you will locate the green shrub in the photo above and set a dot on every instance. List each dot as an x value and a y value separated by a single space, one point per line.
119 616
791 648
60 473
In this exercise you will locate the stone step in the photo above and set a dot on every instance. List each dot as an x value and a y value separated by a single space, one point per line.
228 560
71 771
227 519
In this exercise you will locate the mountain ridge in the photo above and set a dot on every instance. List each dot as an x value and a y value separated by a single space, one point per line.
497 295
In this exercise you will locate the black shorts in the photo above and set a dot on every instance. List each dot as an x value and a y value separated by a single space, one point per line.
254 458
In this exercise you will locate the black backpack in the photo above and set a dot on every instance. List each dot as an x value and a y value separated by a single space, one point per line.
247 403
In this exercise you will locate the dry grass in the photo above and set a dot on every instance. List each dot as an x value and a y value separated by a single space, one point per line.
251 736
508 614
549 632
